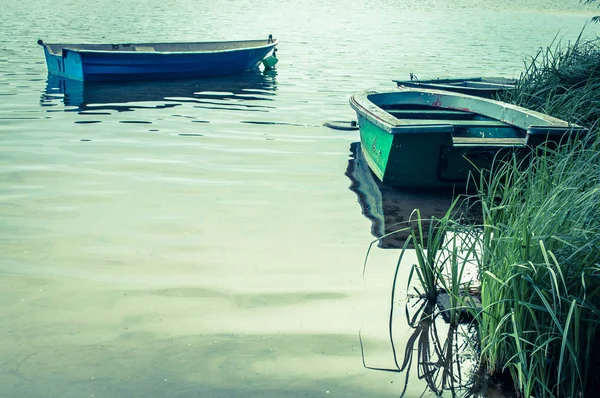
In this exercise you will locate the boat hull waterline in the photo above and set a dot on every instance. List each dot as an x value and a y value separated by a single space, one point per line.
142 61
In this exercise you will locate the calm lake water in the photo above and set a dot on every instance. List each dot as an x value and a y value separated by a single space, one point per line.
199 238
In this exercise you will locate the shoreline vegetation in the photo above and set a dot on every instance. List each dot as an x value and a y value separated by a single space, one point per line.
540 260
536 249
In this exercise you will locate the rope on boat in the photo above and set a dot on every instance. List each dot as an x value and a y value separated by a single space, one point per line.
342 125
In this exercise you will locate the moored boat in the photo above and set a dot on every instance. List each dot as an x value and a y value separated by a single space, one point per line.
480 86
101 62
433 138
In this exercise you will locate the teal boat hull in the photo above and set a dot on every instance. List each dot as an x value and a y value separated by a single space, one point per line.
422 138
403 162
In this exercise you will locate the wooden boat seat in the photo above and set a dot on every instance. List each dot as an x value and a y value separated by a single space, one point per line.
459 125
487 141
420 114
456 118
144 48
472 123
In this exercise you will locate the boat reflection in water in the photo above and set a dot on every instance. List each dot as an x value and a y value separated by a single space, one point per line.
390 209
245 88
423 343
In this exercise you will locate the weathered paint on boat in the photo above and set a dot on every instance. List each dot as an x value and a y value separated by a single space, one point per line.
480 86
101 62
434 138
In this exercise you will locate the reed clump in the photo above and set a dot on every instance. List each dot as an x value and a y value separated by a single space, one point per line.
538 246
562 80
540 258
540 272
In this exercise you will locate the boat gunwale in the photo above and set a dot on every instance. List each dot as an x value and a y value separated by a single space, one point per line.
64 47
379 117
494 82
362 103
484 86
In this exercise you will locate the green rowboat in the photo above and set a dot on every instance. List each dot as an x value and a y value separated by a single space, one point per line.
417 138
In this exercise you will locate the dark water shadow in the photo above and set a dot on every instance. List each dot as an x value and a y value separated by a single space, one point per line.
245 91
390 209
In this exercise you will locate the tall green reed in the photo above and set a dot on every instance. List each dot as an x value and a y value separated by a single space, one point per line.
538 249
443 252
427 249
538 257
540 253
562 80
540 285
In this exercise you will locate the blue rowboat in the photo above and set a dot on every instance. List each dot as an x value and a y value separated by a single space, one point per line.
101 62
417 138
480 86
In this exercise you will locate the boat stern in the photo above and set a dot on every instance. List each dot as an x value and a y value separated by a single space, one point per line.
552 136
62 61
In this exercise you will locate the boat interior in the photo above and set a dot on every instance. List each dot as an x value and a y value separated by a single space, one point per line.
469 127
